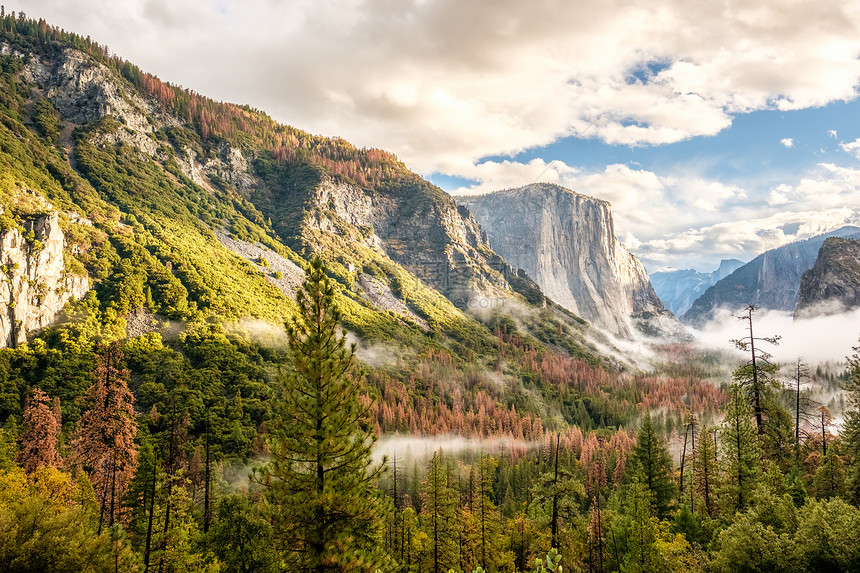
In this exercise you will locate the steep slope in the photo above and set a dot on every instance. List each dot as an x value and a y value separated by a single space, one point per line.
192 222
678 289
770 281
566 242
832 285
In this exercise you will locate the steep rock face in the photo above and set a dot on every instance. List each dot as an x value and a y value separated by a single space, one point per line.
680 288
415 224
566 242
832 285
34 286
770 281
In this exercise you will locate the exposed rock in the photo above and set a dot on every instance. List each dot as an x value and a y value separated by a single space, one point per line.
770 281
566 242
34 286
416 225
291 275
832 285
380 295
680 288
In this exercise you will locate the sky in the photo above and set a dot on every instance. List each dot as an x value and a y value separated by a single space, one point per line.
716 129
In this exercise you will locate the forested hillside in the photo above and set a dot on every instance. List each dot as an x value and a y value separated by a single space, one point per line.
186 412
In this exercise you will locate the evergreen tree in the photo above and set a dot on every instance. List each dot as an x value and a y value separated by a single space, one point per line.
741 453
39 442
438 508
321 482
241 538
756 377
829 480
104 443
706 472
851 427
652 464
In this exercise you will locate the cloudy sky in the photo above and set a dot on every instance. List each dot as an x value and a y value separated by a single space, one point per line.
716 129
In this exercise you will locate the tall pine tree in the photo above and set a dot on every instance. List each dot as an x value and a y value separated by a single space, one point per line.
851 427
652 463
321 481
741 451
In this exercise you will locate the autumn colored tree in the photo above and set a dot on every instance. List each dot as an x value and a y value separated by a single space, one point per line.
39 442
104 443
321 481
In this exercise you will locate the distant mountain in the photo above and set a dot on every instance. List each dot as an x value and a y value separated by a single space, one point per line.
678 289
832 285
566 242
769 281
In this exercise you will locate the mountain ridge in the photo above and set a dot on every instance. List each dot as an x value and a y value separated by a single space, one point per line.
770 281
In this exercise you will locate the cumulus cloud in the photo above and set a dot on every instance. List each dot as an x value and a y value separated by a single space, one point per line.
443 83
852 147
787 142
682 217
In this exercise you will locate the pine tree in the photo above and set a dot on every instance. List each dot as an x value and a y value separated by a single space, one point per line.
104 443
321 482
741 452
652 463
39 442
706 472
851 427
438 508
829 480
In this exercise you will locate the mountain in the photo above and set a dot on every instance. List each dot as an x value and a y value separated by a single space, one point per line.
679 288
566 242
832 285
139 213
769 281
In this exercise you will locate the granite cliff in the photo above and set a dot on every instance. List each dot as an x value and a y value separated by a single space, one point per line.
832 285
678 289
566 242
35 285
770 281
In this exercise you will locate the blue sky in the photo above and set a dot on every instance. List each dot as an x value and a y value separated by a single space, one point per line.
716 130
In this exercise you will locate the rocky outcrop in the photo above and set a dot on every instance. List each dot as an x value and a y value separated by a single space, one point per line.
412 223
770 281
34 285
832 285
678 289
566 242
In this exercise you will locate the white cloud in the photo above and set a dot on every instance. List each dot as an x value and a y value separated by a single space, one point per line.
832 133
852 147
684 220
787 142
443 83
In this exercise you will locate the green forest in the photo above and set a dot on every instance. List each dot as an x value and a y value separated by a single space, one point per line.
241 430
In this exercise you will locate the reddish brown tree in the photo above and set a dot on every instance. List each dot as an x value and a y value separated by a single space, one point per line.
104 444
39 444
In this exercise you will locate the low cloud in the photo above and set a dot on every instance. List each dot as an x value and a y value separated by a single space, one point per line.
787 142
825 338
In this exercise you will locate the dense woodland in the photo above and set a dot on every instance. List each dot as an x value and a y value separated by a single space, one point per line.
204 445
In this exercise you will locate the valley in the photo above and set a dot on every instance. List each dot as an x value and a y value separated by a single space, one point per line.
228 344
